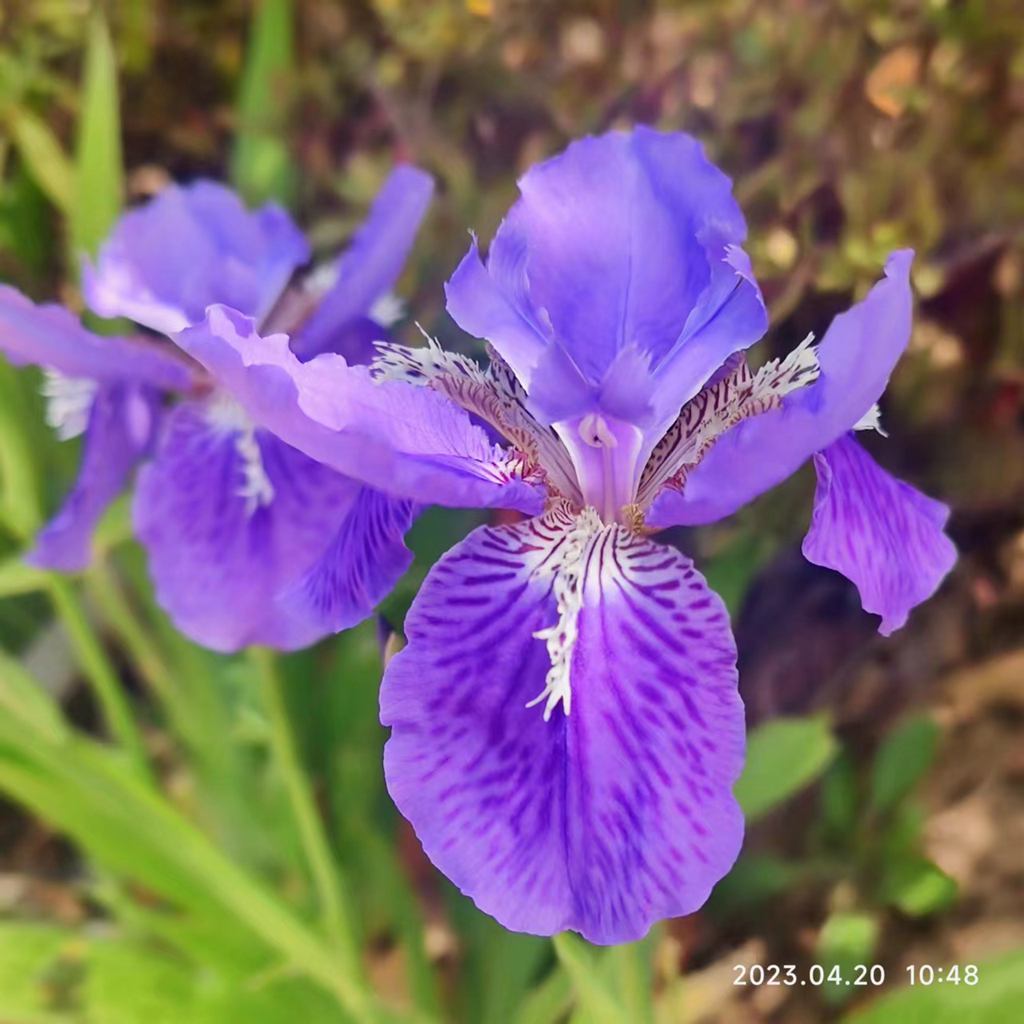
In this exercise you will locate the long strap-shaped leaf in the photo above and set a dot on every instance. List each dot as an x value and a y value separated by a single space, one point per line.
99 168
83 789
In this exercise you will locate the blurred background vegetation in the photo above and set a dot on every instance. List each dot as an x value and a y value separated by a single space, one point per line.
193 838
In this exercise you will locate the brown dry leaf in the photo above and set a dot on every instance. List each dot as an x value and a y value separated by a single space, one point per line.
387 970
582 42
888 81
959 838
990 937
998 680
1008 276
707 991
943 349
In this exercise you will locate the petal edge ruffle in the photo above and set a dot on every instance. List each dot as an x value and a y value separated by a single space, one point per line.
407 441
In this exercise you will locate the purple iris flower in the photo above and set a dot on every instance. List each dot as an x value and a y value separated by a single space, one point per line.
249 540
566 727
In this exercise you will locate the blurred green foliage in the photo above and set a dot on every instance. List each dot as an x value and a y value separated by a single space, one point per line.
99 164
782 756
995 999
261 164
237 857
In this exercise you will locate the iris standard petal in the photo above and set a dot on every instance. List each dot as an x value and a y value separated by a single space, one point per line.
482 307
228 526
118 433
360 566
877 531
189 247
729 316
856 357
405 440
624 241
51 337
371 265
603 820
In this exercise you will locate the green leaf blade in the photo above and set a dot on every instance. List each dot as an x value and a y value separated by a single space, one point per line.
847 941
44 157
261 165
901 761
99 164
918 887
995 999
783 756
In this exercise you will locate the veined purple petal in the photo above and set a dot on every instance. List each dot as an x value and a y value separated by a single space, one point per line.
877 531
857 356
229 526
369 268
360 566
407 441
602 821
118 434
188 248
624 241
51 337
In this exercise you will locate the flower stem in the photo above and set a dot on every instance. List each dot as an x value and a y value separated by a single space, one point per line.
593 993
131 630
101 674
310 825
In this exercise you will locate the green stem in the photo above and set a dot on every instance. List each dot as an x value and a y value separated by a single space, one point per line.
142 647
592 991
183 692
19 500
548 1002
307 817
102 677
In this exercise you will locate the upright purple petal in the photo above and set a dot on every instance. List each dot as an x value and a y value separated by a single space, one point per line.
118 434
220 551
857 356
486 308
877 531
407 441
624 241
369 268
602 821
188 248
730 315
606 235
360 566
51 337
